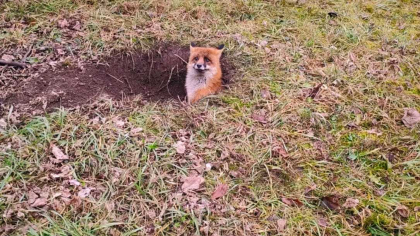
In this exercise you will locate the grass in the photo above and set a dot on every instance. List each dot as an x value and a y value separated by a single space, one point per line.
367 58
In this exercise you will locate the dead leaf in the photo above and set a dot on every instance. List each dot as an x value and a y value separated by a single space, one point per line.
60 51
281 225
323 222
220 191
331 202
76 26
180 147
65 173
7 57
411 117
351 203
119 123
403 211
374 131
84 192
310 188
259 117
315 91
74 182
39 202
192 182
58 154
63 23
266 94
136 132
291 202
279 150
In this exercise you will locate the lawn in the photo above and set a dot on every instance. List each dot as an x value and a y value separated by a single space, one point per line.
316 133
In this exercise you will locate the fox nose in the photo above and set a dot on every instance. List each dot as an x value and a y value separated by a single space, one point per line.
199 66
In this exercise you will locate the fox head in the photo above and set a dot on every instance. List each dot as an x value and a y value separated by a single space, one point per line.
203 59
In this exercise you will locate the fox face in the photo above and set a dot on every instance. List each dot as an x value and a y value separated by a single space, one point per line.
204 59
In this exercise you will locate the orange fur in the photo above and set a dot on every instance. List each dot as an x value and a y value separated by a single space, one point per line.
201 84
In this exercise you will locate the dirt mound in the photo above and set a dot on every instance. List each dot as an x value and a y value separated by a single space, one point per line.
157 75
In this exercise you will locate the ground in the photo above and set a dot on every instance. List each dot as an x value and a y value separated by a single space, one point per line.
315 133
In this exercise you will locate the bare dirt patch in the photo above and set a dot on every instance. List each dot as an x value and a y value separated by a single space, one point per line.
157 75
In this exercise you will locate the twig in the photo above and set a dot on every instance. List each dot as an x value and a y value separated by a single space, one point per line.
167 83
129 86
27 53
181 58
150 70
132 59
12 63
115 78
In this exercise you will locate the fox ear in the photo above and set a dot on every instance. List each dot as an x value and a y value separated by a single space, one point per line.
193 44
221 46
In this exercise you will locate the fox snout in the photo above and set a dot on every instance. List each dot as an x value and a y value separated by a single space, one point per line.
200 67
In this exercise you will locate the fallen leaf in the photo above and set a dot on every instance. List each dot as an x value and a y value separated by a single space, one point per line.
192 182
220 191
265 94
119 123
65 173
351 202
7 57
77 26
180 147
279 150
374 131
58 154
135 132
323 222
39 202
315 91
63 23
60 51
403 211
310 188
84 192
411 117
291 202
263 43
259 117
74 182
281 225
331 202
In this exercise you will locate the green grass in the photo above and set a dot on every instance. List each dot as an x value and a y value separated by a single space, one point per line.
367 58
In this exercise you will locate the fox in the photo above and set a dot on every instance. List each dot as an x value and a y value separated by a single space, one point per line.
204 72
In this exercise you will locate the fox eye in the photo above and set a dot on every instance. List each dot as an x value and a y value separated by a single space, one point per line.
206 59
195 58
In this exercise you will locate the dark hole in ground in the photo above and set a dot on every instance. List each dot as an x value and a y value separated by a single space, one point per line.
157 75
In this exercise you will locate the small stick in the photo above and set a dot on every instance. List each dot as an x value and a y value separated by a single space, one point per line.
12 63
169 80
131 89
115 78
150 70
181 58
132 59
27 53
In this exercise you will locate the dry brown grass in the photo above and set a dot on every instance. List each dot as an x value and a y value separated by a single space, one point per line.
339 163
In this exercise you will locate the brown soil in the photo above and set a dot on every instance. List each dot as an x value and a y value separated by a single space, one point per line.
157 75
